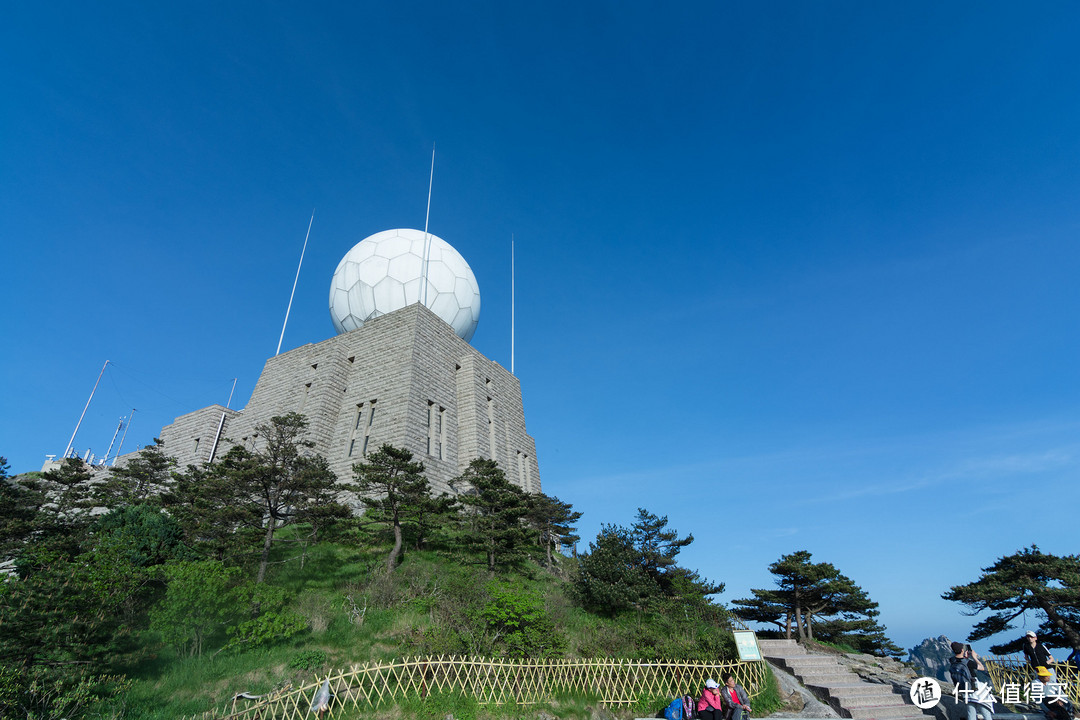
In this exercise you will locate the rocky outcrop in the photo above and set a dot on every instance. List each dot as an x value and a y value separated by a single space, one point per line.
931 657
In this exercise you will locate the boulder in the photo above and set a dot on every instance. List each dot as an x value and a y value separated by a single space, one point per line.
931 657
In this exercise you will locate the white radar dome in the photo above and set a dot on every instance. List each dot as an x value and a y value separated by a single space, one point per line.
385 272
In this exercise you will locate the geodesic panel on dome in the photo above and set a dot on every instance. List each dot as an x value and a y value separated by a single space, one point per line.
385 272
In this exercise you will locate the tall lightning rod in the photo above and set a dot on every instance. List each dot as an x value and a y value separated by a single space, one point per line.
427 238
295 280
511 303
67 451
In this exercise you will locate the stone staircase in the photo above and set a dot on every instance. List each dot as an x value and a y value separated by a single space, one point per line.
837 686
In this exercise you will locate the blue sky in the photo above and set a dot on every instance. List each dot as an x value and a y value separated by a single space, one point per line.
798 275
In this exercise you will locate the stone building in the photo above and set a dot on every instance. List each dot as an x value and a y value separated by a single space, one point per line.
405 378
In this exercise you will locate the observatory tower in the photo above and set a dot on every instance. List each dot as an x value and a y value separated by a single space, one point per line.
405 304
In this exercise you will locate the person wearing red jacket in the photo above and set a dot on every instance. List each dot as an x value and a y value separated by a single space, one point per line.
710 706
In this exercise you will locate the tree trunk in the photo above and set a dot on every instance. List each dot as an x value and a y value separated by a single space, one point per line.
798 616
809 625
268 540
787 625
391 562
1059 622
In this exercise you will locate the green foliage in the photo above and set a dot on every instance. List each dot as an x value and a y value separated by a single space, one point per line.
496 509
273 623
656 545
141 479
60 632
309 660
819 602
148 536
395 487
611 578
19 505
636 568
439 705
201 598
519 621
279 485
1027 581
203 501
204 600
553 522
45 693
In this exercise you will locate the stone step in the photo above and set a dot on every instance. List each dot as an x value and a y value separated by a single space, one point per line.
845 689
784 652
812 671
771 643
797 664
813 660
913 714
854 701
882 712
826 680
813 667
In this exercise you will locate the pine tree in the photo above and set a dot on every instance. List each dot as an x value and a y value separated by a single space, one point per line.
657 546
1026 581
496 509
821 602
279 485
391 483
140 479
611 578
553 522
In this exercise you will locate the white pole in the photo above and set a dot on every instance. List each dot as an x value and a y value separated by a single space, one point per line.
123 437
72 440
511 303
297 278
427 238
221 423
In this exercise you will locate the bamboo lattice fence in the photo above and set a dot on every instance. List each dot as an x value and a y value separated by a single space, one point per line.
1011 670
494 681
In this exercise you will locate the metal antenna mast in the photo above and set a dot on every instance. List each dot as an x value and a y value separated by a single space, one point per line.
67 451
295 280
427 237
113 441
123 437
511 303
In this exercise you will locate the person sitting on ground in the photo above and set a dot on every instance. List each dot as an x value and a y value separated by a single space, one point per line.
960 673
709 706
1037 654
1055 704
736 701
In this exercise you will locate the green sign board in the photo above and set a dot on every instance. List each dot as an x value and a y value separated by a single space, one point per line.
746 643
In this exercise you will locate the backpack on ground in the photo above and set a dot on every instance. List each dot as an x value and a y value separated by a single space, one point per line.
689 705
674 711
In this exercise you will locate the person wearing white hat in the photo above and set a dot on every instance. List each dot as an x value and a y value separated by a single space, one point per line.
1037 655
709 705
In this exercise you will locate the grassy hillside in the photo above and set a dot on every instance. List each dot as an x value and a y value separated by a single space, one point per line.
433 603
153 593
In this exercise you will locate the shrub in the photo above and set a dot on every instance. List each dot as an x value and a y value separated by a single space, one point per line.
310 660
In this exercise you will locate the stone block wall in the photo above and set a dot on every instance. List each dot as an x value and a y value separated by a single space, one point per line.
404 378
